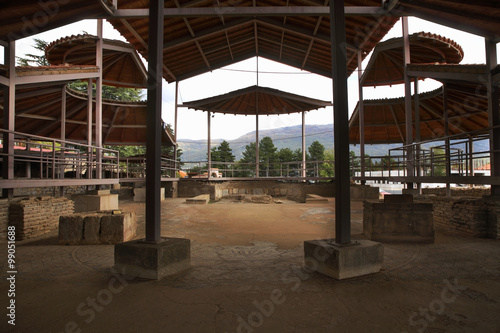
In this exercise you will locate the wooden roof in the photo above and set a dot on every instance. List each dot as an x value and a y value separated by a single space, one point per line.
195 45
38 112
386 65
480 17
121 64
385 118
24 18
270 102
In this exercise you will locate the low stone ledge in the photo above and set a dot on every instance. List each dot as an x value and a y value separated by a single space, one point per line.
97 228
201 199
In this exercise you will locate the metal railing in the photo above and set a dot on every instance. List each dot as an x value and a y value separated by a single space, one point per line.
296 169
452 156
135 167
35 157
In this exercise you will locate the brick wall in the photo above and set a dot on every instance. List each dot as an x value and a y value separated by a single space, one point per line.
36 216
476 216
459 191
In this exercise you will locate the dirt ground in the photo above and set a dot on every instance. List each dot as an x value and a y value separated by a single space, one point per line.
247 275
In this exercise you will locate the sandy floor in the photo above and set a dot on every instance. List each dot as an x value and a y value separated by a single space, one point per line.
247 276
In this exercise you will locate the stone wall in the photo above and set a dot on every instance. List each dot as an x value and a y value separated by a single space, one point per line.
218 189
4 217
36 216
476 216
477 192
50 191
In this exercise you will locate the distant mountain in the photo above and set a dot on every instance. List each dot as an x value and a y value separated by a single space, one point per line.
290 137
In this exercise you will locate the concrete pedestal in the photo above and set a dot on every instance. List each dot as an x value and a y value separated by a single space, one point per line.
359 258
153 261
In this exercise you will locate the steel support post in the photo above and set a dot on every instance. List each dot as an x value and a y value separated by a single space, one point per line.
98 100
408 107
447 139
341 123
9 117
303 144
361 117
417 133
176 111
153 147
493 113
209 145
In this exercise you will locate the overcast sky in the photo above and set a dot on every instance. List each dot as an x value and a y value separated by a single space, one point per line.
193 124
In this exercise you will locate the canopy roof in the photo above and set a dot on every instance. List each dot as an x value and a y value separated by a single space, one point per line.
386 65
385 118
195 45
121 64
270 102
38 112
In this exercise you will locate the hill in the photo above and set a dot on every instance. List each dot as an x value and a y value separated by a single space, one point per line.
288 137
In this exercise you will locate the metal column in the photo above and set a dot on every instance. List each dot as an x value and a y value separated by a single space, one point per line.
9 117
153 147
340 123
447 139
98 101
303 144
175 121
361 117
408 106
417 134
209 146
493 113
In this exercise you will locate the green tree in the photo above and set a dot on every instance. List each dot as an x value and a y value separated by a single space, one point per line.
248 157
33 59
109 92
222 153
328 168
268 156
316 151
286 155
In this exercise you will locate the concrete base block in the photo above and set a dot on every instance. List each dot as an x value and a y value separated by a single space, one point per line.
95 202
153 261
140 194
359 258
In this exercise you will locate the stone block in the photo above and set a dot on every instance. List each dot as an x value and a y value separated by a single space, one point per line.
91 229
154 261
98 192
225 192
117 228
140 194
399 198
364 192
242 191
92 203
258 191
359 258
283 191
70 229
398 222
201 199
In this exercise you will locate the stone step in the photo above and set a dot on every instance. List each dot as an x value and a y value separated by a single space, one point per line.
315 198
201 199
